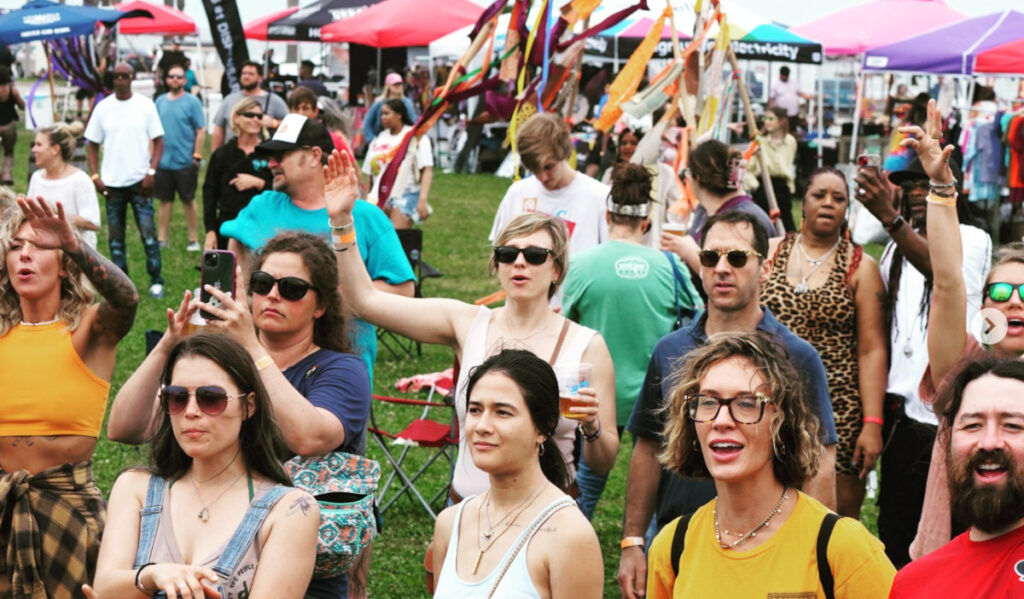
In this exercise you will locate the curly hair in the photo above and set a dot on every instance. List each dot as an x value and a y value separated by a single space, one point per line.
529 223
330 330
794 428
75 294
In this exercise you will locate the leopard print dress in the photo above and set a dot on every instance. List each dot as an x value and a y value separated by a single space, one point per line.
826 317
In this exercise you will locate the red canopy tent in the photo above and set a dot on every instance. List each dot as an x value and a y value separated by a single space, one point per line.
394 23
165 21
257 28
1007 59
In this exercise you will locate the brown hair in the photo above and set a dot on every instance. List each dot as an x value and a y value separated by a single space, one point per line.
631 186
301 95
1008 254
711 166
528 223
545 136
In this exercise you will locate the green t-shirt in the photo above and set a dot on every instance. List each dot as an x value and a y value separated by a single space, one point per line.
625 291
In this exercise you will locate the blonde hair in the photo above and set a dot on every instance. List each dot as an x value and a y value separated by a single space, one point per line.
542 137
529 223
794 428
75 295
243 105
65 136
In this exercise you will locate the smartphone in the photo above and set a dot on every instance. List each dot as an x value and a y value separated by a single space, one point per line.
869 161
218 270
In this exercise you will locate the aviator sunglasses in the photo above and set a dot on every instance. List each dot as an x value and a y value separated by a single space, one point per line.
1002 292
737 258
291 288
212 400
507 254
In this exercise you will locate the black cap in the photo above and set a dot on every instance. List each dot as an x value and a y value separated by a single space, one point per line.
914 170
296 131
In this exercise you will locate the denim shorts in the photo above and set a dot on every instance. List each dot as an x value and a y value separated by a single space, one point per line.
406 204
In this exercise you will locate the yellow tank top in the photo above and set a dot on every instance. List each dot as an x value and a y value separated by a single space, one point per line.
45 388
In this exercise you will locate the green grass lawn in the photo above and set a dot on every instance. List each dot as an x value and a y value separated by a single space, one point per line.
455 242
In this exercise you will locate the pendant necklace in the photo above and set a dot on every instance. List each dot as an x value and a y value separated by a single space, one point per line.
487 513
816 263
492 538
204 514
756 529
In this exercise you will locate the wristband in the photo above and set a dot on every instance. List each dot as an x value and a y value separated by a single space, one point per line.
934 198
265 362
595 436
935 185
873 420
95 177
348 225
343 239
627 542
895 224
138 579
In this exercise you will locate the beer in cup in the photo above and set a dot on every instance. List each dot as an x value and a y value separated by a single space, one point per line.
572 378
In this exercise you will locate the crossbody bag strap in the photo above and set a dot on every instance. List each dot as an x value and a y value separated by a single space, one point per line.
532 530
246 531
149 519
828 583
679 542
675 284
558 344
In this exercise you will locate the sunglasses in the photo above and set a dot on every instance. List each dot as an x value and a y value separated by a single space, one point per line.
291 288
212 400
251 115
1002 292
175 76
122 76
737 258
507 254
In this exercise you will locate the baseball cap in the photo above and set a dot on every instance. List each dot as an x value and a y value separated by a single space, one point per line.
296 131
392 78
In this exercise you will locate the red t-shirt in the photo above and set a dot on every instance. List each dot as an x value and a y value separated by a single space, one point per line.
966 568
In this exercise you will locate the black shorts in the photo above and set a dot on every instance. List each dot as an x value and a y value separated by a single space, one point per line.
183 181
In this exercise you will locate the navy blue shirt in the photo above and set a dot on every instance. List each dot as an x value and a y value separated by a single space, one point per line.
677 496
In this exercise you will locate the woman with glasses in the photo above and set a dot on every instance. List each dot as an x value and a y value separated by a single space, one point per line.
215 512
530 257
824 289
235 173
295 333
738 415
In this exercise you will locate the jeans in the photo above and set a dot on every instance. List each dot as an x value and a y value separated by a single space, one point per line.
118 199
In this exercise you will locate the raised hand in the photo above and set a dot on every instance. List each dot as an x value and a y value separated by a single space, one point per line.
52 228
341 187
927 142
177 322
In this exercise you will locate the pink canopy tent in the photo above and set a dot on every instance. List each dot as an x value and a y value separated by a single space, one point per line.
257 28
858 28
394 23
1007 59
642 25
165 21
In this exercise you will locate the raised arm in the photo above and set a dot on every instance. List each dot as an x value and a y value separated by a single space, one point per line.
948 313
437 320
877 198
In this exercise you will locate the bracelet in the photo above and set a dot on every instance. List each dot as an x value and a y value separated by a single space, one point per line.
95 177
935 185
343 239
595 436
265 362
138 579
631 542
340 227
873 420
934 198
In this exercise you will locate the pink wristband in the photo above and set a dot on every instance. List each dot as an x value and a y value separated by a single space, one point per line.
873 419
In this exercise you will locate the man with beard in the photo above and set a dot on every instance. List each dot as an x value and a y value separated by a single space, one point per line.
983 418
184 133
909 423
297 153
274 108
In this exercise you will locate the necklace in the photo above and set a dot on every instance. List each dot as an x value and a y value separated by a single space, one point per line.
487 513
801 287
517 336
481 550
39 324
204 514
756 529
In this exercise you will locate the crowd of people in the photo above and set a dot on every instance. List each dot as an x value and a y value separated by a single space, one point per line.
761 378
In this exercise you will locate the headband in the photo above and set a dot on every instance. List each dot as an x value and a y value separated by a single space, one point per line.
634 210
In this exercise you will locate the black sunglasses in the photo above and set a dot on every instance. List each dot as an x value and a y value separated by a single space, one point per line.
175 76
291 288
737 258
507 254
251 115
1002 292
212 400
122 76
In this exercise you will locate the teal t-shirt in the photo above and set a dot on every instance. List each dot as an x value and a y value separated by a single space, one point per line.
625 291
180 119
273 212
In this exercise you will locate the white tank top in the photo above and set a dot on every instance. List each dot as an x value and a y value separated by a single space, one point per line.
516 584
467 479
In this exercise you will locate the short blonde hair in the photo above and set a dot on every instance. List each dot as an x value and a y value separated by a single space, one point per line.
542 137
794 427
529 223
243 105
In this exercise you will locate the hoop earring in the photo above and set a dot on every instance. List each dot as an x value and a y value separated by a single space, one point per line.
540 449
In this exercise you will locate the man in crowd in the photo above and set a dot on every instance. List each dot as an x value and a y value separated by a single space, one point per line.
733 269
181 115
126 124
274 108
983 425
910 424
306 79
298 152
786 94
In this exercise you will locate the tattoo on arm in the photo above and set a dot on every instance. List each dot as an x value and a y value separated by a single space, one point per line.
117 311
302 504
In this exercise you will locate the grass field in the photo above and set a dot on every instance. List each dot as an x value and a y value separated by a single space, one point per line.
455 243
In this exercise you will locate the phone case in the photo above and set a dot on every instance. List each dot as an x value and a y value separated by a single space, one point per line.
218 270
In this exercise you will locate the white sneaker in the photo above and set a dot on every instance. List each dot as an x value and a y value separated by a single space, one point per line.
156 290
193 246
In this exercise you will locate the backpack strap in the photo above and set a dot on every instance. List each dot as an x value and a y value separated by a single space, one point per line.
678 542
149 519
828 583
246 531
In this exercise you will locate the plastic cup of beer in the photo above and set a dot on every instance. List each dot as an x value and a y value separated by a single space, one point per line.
677 229
572 378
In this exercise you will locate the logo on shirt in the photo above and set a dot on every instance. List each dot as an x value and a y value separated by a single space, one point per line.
632 268
529 204
1018 569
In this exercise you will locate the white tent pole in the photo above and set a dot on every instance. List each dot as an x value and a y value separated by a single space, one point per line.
821 115
856 116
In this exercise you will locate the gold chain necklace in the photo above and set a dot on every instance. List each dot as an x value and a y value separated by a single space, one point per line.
490 527
494 538
756 529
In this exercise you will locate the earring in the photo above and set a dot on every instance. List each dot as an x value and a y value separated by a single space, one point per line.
540 449
696 447
782 449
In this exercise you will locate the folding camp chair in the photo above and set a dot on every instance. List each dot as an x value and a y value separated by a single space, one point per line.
412 243
423 432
